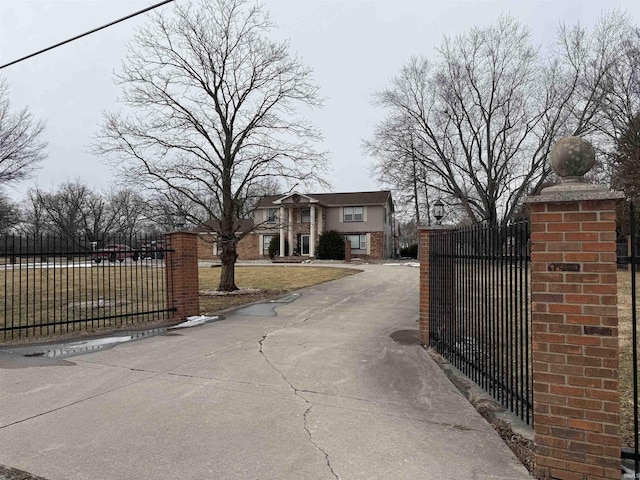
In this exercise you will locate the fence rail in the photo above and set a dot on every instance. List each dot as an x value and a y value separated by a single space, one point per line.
479 308
51 285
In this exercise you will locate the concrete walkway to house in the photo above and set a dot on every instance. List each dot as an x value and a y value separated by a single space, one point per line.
332 387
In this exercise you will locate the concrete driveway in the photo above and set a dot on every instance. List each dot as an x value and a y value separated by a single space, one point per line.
332 387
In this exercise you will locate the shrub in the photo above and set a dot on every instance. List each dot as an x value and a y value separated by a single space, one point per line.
331 246
411 251
274 247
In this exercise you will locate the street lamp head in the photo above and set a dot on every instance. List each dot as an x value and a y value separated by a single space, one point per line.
438 210
181 220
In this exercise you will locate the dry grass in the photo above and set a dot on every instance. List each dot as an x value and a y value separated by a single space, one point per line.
626 354
77 297
272 281
105 298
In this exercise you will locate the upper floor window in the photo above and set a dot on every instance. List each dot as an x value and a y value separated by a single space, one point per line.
306 215
272 215
353 214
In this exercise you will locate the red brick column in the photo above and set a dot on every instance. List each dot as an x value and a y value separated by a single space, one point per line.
181 269
347 250
575 333
423 256
440 295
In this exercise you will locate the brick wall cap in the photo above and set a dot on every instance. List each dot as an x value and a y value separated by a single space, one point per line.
437 227
572 193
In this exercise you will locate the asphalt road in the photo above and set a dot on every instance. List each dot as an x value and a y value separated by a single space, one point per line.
332 387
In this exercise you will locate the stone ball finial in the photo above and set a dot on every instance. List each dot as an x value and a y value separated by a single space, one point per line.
571 158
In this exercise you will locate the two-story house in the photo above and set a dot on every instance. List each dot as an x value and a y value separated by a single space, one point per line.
365 218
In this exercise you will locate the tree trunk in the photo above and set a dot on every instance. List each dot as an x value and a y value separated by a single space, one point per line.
414 180
428 202
228 258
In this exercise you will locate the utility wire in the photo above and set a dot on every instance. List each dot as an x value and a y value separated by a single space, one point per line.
86 33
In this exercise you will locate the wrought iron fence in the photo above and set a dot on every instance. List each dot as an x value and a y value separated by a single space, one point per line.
479 313
631 456
52 285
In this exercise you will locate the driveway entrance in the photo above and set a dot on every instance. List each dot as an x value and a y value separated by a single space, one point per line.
333 386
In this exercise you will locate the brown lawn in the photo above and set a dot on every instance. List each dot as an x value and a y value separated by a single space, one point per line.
272 281
626 353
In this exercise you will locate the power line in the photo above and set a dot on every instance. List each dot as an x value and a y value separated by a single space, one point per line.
86 33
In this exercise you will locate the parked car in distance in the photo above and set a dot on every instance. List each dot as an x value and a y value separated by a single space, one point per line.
116 251
153 250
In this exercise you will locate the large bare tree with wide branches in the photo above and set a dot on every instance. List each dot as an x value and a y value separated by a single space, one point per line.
212 114
481 117
22 147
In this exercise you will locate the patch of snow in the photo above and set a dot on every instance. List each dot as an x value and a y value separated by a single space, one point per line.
405 264
85 346
241 291
100 303
194 321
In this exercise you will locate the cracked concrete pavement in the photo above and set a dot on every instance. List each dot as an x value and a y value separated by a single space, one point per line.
320 391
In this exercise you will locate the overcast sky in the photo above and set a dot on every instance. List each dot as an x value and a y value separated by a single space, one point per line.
354 47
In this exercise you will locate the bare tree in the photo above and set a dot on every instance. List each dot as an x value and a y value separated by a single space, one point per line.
398 164
9 215
73 210
21 144
626 160
34 218
484 115
215 103
129 211
65 210
170 210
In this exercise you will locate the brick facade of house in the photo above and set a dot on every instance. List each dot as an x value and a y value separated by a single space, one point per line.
376 248
247 247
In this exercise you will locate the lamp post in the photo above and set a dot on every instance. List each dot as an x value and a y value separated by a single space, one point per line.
438 211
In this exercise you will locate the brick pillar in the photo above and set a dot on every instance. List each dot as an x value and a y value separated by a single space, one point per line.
441 295
347 250
575 332
423 256
181 268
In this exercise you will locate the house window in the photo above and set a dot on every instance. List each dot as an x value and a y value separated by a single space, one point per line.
272 215
266 241
306 215
358 242
353 214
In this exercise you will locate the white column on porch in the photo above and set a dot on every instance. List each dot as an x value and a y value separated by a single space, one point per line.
320 224
312 232
281 220
290 252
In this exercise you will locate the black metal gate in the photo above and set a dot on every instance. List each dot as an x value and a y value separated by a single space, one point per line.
50 285
479 312
629 386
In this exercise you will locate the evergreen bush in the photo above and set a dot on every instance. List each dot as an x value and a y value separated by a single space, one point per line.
331 246
274 247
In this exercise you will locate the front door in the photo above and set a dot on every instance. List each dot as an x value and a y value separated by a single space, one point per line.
304 244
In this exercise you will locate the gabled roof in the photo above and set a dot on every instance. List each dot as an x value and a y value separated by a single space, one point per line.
295 197
331 199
